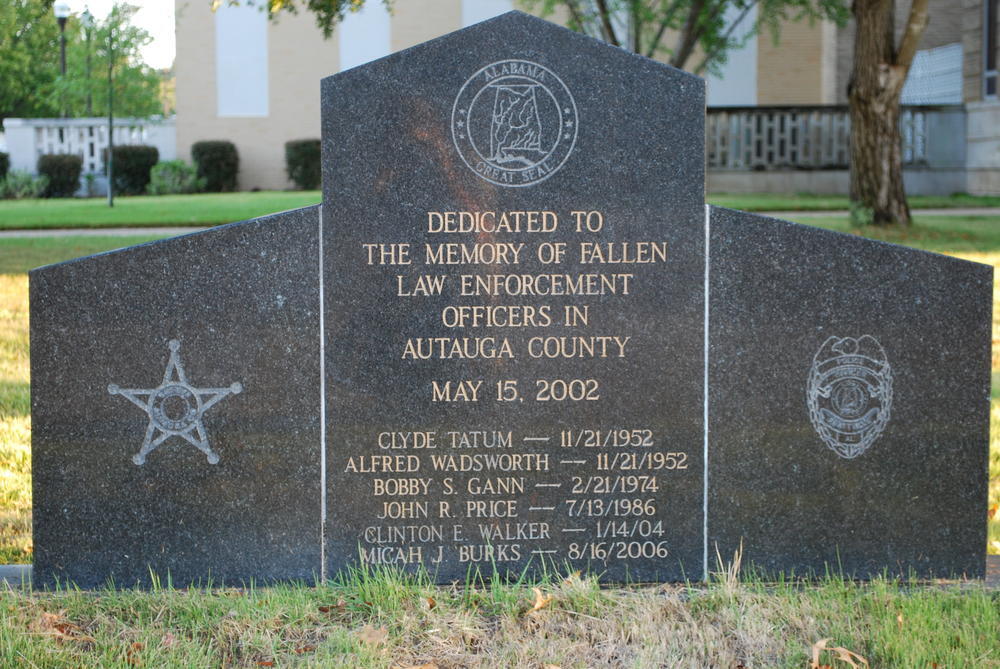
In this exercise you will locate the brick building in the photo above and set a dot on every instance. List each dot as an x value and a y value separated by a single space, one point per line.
256 82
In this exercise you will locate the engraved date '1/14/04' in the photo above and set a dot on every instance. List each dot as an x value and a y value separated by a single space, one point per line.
545 390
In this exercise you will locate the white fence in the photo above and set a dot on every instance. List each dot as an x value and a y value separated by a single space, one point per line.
29 138
768 138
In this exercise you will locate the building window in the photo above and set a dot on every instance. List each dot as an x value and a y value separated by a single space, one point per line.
241 60
990 19
365 35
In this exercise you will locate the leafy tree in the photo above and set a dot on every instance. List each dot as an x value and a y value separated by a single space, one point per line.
874 92
84 90
682 30
328 12
677 30
29 57
30 81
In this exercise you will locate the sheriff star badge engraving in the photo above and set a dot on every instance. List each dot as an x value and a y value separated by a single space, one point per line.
175 408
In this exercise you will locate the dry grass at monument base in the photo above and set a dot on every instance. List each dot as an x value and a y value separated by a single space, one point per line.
387 620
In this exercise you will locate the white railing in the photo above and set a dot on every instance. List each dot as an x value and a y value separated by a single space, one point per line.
29 138
818 137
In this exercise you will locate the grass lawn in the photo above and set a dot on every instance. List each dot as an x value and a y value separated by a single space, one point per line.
18 255
201 209
384 620
216 208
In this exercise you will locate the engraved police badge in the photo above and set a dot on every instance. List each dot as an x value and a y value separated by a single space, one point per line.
850 393
514 123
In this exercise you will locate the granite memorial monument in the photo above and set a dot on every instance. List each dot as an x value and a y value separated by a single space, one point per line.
512 337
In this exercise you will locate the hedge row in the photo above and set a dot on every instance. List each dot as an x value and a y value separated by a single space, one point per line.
63 173
302 163
216 166
132 164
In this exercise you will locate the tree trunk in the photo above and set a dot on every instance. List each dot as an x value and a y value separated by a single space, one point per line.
877 194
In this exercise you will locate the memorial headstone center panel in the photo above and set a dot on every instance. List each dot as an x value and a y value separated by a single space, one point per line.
514 254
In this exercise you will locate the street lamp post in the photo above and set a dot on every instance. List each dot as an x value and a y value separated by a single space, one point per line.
111 110
87 21
61 10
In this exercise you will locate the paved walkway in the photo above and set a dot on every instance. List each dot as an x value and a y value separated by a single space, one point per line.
98 232
171 231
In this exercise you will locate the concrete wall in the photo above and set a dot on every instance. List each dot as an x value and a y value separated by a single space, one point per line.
983 140
292 57
29 138
799 69
297 57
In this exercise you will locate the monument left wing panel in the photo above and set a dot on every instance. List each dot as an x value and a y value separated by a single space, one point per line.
176 409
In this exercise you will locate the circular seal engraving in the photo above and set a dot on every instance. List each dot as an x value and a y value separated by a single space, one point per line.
174 408
849 393
514 123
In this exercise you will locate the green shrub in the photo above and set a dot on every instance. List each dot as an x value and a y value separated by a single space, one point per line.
173 177
63 172
19 185
133 163
302 163
217 163
4 165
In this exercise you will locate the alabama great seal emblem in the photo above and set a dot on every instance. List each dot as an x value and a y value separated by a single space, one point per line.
514 123
850 393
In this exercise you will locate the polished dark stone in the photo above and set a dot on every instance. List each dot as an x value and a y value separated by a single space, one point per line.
242 304
396 145
847 398
894 477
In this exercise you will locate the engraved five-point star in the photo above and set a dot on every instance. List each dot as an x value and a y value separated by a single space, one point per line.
175 408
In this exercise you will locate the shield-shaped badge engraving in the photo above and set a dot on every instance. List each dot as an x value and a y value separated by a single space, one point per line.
849 393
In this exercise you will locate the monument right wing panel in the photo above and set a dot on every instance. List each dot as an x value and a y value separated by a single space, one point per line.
849 402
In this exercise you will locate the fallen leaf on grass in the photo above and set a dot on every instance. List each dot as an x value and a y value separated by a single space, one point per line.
572 579
304 649
899 619
168 640
57 625
132 655
996 545
372 635
993 511
430 603
265 663
843 655
421 666
339 607
541 601
552 666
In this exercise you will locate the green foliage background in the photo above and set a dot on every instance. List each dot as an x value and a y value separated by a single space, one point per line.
31 85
